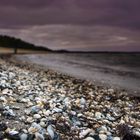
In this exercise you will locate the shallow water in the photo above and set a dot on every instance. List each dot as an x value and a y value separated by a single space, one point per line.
119 70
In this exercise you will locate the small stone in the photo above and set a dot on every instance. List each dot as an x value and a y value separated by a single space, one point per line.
27 111
89 138
23 136
30 119
9 113
111 90
103 129
57 110
73 112
106 121
116 138
1 136
13 137
15 107
102 136
79 115
47 113
82 101
35 109
39 136
109 137
32 130
11 75
37 116
37 126
98 115
31 137
86 132
136 132
43 124
8 130
3 126
13 132
108 133
24 100
7 91
24 131
3 99
40 112
96 137
22 118
50 131
108 116
122 122
44 120
29 104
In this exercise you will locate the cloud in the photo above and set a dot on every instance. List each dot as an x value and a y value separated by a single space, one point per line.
19 13
73 24
79 37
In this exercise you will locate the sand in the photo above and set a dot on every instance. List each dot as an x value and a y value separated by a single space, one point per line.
120 71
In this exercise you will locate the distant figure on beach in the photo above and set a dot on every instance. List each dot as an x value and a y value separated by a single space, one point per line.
15 50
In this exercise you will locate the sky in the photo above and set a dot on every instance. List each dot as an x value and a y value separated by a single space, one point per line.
85 25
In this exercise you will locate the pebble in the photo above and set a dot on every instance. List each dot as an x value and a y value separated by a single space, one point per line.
46 103
50 131
37 116
109 137
3 126
39 136
102 136
89 138
13 132
32 130
136 131
111 90
30 119
23 136
9 113
57 110
103 129
47 113
82 101
85 133
35 109
98 115
36 126
43 124
116 138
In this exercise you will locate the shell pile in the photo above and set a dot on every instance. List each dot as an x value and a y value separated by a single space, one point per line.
40 104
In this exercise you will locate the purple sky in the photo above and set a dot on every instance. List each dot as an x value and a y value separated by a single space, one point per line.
74 24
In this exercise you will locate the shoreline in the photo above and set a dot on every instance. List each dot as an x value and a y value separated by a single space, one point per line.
38 101
110 77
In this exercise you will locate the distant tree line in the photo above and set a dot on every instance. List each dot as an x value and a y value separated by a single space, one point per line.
15 43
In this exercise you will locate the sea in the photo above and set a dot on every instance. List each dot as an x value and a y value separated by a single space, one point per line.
115 70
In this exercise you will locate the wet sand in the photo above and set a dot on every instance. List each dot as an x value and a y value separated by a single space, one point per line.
113 70
4 51
35 103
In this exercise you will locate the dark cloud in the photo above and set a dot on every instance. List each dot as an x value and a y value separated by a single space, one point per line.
75 37
27 4
94 12
60 24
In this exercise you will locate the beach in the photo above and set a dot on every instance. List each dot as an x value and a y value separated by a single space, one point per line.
38 103
117 70
70 70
